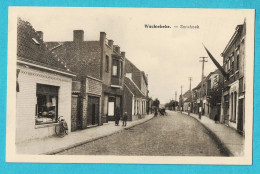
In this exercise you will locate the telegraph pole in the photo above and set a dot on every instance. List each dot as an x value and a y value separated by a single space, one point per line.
189 109
181 99
175 100
203 60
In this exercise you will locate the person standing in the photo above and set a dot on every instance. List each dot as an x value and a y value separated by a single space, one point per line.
125 117
117 116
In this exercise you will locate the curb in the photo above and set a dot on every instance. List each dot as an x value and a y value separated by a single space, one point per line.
53 152
221 145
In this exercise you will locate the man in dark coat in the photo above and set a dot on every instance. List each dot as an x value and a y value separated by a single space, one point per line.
117 116
125 117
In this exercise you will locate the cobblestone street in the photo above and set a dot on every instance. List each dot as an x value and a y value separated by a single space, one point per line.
172 135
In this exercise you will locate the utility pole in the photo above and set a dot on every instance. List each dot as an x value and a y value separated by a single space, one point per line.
175 100
189 109
181 100
203 60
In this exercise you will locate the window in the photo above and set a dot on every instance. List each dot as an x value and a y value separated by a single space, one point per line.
121 69
115 67
232 64
231 102
235 106
47 104
107 64
237 52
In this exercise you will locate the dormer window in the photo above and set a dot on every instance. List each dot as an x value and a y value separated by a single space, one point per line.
35 41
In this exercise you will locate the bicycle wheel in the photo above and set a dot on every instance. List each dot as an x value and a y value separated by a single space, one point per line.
59 130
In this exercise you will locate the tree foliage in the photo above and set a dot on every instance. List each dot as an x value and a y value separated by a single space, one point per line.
156 103
215 93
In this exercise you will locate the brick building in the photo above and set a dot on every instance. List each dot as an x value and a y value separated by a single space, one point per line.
186 98
98 87
113 63
140 81
214 91
43 86
134 100
233 99
83 57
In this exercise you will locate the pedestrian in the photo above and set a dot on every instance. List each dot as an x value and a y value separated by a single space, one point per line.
117 116
125 116
216 118
155 112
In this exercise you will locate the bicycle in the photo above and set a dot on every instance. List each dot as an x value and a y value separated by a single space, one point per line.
62 128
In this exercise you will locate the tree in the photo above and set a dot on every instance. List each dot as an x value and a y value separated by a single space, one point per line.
215 93
171 104
156 103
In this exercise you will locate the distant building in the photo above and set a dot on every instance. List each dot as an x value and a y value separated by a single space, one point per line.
43 86
233 99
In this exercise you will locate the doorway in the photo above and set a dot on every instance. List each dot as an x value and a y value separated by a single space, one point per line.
93 110
111 108
240 126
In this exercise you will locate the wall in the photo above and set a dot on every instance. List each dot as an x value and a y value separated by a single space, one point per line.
128 103
26 101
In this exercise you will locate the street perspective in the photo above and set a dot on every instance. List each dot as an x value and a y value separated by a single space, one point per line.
128 85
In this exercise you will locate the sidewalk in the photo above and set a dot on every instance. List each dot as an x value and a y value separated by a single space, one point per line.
54 144
227 136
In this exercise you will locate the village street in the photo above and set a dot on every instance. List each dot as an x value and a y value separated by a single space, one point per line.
172 135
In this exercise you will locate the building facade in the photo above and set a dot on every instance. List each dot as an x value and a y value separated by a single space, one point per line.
44 85
134 100
139 81
84 58
233 99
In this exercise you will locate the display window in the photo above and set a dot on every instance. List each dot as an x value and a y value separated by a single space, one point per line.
47 104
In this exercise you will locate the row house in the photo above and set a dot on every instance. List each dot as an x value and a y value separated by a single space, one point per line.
233 98
209 95
136 83
44 85
98 87
134 100
187 101
214 92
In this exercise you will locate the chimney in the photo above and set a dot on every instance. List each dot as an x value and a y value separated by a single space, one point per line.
78 36
40 33
110 43
117 49
102 38
123 54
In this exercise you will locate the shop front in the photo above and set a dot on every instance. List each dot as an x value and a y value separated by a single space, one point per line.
43 96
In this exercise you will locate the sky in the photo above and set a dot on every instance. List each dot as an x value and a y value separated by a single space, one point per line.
169 56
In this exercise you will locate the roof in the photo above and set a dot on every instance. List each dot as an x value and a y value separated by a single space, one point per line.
32 49
238 29
188 99
82 57
133 88
127 61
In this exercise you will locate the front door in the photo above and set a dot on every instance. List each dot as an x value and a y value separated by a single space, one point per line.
93 110
111 108
240 126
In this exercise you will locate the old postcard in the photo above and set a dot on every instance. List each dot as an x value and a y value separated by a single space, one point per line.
130 85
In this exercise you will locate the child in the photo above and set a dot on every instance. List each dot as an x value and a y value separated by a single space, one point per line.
124 118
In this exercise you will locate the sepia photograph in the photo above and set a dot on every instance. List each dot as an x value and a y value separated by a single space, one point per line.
130 85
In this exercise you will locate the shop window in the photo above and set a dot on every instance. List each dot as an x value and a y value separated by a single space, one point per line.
47 104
